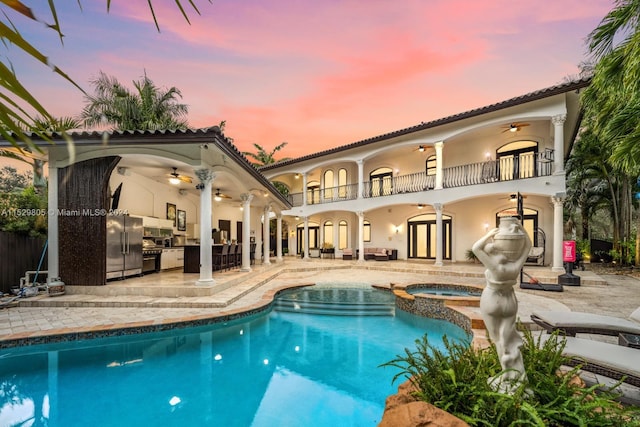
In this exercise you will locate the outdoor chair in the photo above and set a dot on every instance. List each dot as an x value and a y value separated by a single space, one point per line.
220 258
572 322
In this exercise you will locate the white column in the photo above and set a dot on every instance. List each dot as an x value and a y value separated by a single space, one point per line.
206 177
360 178
53 245
558 235
246 231
279 238
361 236
558 142
439 173
438 207
304 189
266 236
305 239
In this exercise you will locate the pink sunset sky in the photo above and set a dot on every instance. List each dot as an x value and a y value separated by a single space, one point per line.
314 74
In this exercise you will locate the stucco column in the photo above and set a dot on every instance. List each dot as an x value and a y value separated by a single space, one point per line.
53 245
558 142
279 238
304 189
438 207
558 235
246 231
305 240
266 230
206 177
439 172
360 163
361 236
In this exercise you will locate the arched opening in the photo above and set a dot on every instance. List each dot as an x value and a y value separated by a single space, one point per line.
517 160
381 182
328 184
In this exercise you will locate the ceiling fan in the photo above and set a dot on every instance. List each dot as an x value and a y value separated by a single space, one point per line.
219 196
514 127
421 148
175 178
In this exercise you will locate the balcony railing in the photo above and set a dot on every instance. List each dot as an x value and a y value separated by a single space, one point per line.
526 165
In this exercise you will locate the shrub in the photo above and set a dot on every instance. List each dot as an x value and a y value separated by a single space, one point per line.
456 380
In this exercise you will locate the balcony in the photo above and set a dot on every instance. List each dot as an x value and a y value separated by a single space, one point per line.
524 166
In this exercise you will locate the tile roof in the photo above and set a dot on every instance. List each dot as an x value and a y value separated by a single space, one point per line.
532 96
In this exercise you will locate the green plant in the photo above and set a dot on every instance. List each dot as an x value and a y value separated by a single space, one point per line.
454 379
326 245
470 256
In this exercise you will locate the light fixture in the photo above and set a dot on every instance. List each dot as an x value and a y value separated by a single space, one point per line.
421 148
513 128
420 206
217 197
513 197
487 155
297 176
174 181
265 194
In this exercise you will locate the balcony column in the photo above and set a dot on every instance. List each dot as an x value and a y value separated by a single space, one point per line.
304 189
558 142
53 246
361 236
360 163
279 238
206 177
438 207
266 235
439 174
557 233
246 231
305 239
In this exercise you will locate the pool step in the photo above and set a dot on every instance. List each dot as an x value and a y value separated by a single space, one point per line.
334 308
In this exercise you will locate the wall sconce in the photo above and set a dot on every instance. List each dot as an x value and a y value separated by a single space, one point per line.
486 227
420 206
297 176
397 228
487 155
421 148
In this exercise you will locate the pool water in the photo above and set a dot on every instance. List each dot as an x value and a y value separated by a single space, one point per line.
276 369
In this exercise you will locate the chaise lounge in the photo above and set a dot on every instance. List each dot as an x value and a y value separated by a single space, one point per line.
571 322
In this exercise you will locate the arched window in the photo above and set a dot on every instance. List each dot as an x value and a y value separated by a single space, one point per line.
327 233
381 182
342 183
343 235
366 232
328 184
517 160
431 165
313 192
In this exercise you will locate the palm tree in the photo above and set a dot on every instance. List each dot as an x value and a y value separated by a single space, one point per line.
15 118
261 157
147 108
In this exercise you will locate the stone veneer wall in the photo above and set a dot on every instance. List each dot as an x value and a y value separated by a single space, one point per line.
433 307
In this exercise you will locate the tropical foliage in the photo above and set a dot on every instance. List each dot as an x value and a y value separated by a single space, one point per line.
148 107
14 118
456 379
261 157
605 163
21 207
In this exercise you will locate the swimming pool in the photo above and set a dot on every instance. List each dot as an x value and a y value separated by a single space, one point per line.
274 369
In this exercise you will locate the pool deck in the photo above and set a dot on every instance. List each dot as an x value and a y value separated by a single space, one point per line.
172 297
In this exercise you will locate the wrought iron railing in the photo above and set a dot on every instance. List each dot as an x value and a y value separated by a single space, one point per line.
526 165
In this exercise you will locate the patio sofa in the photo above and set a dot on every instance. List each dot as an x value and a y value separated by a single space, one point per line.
379 254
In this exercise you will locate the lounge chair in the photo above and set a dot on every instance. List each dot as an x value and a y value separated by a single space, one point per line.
572 322
610 360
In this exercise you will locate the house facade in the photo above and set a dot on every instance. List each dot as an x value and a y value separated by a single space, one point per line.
430 191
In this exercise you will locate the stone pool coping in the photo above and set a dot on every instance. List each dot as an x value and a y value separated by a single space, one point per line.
457 310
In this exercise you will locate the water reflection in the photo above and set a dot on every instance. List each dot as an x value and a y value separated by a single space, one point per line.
243 374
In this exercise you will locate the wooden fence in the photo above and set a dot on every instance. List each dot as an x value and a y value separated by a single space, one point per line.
18 254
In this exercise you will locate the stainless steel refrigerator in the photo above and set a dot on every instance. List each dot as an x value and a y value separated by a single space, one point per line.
124 246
